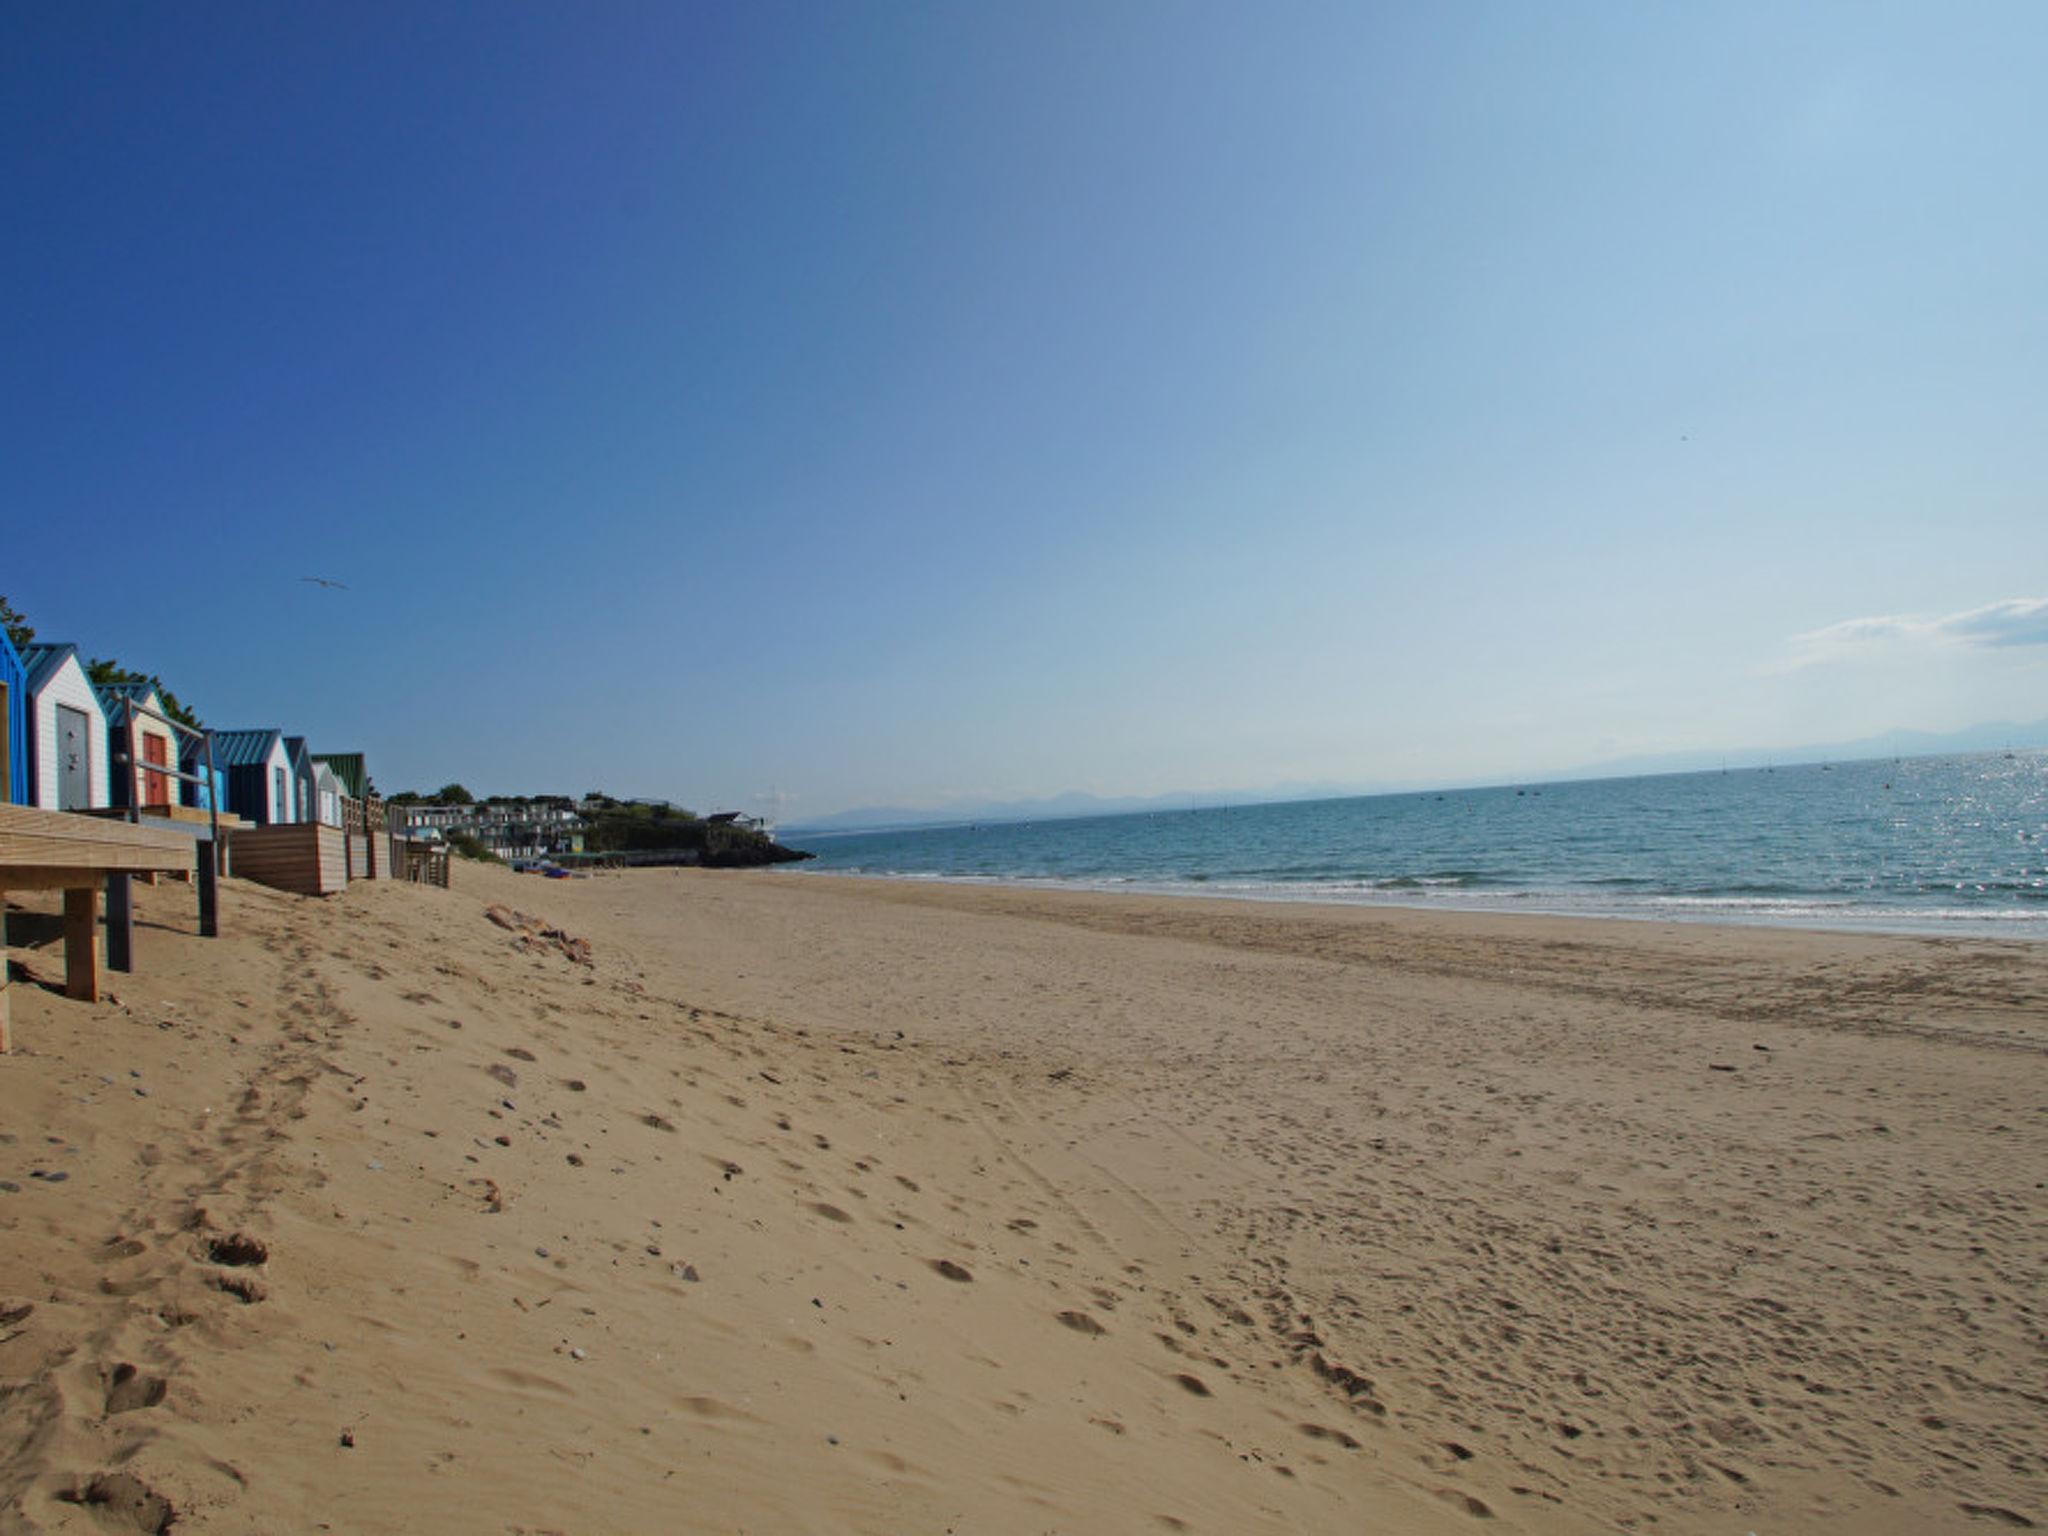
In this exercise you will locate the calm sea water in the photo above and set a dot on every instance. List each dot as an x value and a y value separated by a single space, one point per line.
1944 844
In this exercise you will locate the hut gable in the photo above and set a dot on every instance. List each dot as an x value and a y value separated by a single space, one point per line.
259 774
305 782
13 724
67 732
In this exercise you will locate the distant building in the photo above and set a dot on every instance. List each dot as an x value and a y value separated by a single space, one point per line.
511 829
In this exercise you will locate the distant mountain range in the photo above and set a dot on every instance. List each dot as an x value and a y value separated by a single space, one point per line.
1990 737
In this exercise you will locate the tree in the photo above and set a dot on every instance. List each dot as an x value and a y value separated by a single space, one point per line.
19 630
454 794
106 672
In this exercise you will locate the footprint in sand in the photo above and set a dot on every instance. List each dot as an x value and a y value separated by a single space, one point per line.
1081 1322
128 1389
238 1251
829 1212
951 1270
130 1503
1324 1432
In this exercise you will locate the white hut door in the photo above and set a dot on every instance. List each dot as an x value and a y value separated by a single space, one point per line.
74 787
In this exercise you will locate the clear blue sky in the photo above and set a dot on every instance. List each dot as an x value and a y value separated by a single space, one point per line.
893 402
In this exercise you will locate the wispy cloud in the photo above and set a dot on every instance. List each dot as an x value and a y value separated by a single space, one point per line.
2017 621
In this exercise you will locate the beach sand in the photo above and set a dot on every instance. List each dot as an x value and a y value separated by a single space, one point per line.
815 1204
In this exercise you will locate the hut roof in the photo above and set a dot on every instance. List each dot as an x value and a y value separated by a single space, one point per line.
242 749
145 694
41 662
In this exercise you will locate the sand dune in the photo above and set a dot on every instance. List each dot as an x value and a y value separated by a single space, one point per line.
810 1204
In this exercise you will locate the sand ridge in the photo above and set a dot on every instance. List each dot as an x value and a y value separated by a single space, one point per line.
814 1204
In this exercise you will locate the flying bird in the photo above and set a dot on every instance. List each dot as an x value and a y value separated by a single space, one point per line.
322 581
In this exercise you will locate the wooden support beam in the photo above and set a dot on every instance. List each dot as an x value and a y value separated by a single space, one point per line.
209 889
120 924
82 944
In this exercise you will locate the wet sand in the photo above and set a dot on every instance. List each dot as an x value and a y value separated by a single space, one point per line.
821 1204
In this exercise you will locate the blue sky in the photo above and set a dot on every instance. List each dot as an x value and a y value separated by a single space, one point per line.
899 403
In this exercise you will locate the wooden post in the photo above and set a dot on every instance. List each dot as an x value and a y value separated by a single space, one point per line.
82 943
6 1019
209 888
120 924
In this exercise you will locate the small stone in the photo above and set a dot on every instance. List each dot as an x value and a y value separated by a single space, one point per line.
10 1187
540 1253
577 1354
687 1272
831 1439
141 1093
348 1439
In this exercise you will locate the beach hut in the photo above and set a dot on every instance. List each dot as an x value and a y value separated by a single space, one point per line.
305 783
155 742
13 724
67 732
350 769
328 793
259 774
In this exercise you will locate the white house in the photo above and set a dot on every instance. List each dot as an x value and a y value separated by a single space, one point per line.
67 731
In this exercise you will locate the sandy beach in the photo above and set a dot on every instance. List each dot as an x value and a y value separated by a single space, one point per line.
797 1203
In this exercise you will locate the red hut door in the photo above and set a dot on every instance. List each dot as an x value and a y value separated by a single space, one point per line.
157 791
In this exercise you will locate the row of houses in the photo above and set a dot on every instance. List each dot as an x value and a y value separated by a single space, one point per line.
70 744
511 828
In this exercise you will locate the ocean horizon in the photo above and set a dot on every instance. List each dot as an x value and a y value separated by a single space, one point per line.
1951 844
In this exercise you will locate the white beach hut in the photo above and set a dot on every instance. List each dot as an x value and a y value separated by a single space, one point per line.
328 793
67 731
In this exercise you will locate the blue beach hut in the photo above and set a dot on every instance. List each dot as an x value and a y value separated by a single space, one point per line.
259 774
13 723
201 796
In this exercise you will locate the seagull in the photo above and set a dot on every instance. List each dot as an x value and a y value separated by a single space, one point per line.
322 581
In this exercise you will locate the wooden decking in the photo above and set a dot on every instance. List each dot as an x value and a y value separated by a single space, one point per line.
57 850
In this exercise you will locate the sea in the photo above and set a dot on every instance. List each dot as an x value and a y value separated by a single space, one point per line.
1955 845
